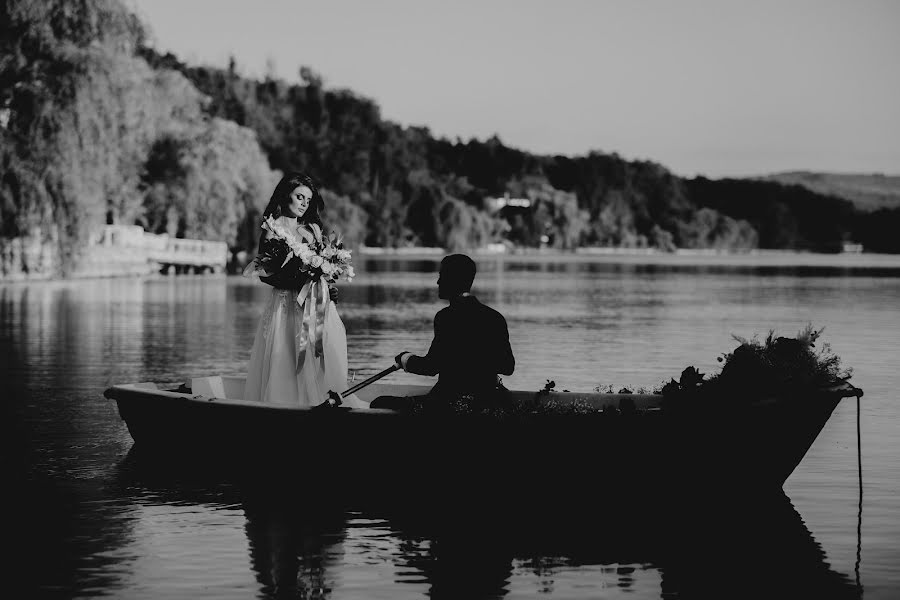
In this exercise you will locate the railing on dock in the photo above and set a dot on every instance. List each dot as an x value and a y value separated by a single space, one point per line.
161 252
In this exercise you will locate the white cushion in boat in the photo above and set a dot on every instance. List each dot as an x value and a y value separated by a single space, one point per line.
217 386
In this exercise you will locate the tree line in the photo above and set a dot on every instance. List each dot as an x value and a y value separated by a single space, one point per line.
98 127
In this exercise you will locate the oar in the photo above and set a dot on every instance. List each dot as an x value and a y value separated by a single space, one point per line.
334 399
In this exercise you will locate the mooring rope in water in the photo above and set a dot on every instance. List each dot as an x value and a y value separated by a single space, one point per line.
859 512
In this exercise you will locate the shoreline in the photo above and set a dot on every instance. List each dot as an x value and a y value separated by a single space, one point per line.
652 257
609 256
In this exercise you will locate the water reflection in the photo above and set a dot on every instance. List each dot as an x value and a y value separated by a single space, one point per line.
296 541
80 332
735 549
458 550
453 541
83 522
63 536
293 533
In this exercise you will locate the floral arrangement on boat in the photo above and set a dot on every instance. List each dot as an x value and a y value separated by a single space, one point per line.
298 259
775 368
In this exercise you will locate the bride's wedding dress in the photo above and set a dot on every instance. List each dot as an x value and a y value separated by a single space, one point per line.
300 350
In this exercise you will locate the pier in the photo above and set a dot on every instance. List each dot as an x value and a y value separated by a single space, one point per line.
128 249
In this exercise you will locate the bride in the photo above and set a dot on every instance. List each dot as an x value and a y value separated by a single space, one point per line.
300 350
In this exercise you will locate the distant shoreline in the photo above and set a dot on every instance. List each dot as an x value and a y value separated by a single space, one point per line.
685 257
610 256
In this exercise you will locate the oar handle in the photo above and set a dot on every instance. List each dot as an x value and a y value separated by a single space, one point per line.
371 379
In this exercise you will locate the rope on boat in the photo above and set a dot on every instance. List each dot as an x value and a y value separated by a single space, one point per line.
859 512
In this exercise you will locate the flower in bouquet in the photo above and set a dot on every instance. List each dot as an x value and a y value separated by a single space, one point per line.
331 260
323 257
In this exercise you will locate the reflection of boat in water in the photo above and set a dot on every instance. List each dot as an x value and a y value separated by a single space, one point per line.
295 547
459 544
759 548
629 438
294 533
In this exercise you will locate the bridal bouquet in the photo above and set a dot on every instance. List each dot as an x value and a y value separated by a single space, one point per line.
323 258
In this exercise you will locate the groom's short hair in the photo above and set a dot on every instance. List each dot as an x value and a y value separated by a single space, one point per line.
459 269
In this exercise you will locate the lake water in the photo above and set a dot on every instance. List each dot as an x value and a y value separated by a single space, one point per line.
84 518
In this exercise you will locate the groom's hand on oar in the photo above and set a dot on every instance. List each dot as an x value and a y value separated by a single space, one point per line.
400 361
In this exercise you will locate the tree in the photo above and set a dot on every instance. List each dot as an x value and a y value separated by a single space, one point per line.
345 217
461 227
615 223
553 213
82 112
387 219
710 229
215 179
91 127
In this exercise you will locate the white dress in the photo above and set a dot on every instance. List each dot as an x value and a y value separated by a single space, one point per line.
300 350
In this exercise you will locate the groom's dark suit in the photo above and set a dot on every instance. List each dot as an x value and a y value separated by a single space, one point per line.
470 347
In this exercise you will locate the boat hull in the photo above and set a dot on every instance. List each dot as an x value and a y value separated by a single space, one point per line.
634 442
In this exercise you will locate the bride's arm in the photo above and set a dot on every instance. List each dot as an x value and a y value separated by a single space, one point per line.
258 267
288 277
270 267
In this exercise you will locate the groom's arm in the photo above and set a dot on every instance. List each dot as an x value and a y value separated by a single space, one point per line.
430 364
506 362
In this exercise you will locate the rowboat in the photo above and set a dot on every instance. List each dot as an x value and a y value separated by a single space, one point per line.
634 440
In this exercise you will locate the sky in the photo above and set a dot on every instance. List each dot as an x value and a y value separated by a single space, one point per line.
715 87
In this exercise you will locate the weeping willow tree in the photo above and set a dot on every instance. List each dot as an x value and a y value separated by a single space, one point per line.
387 219
203 182
461 226
445 212
345 217
46 55
83 120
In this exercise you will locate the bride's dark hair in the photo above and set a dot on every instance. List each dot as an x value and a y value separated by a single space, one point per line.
280 200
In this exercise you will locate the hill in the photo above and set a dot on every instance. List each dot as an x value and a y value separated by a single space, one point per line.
868 192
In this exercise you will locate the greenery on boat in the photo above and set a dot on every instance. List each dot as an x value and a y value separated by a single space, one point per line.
503 406
777 367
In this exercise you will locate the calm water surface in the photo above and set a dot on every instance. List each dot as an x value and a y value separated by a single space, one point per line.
89 518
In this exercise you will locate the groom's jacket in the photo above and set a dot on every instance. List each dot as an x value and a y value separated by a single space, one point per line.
470 348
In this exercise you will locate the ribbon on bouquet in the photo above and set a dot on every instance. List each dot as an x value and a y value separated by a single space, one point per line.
313 299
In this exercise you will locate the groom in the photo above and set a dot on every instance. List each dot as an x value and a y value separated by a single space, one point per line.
470 346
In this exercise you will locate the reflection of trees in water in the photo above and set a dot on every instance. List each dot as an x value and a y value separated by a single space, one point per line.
186 323
73 333
88 334
57 339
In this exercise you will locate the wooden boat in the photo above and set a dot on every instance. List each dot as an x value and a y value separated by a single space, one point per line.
620 440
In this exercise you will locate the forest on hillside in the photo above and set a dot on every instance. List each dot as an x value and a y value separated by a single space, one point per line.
99 127
867 191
